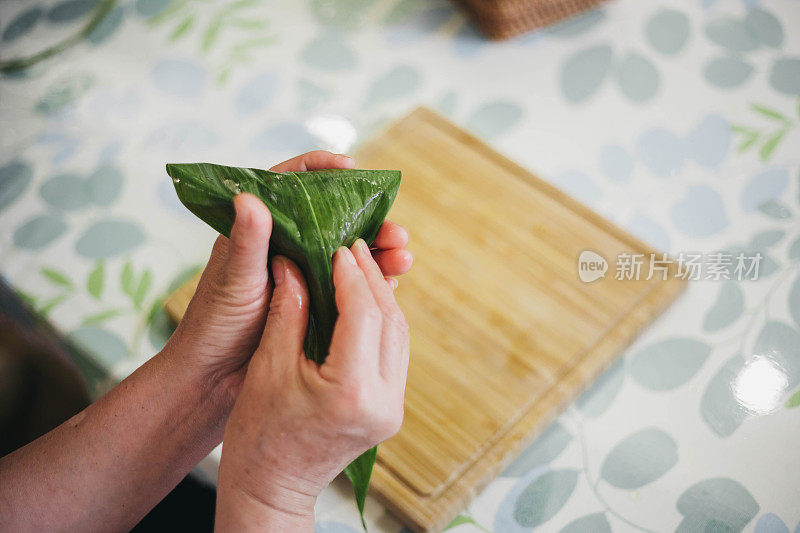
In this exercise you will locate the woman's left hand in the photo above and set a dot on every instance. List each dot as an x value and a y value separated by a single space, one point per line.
226 317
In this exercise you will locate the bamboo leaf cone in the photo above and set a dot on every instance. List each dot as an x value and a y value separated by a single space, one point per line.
313 214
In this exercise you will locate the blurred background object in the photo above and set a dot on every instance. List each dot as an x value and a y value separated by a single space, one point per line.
40 383
677 121
503 19
45 380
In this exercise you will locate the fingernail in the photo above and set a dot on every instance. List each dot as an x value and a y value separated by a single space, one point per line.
392 283
345 161
347 255
362 245
278 269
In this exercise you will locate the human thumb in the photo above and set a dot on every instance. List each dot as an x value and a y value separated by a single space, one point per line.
246 265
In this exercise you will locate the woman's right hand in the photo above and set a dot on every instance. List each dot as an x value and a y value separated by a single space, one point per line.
297 424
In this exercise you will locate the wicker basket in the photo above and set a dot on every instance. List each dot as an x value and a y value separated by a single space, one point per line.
501 19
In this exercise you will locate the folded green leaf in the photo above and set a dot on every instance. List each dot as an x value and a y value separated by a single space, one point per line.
359 472
313 214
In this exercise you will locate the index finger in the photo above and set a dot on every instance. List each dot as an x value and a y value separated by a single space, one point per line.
390 236
316 160
394 342
357 334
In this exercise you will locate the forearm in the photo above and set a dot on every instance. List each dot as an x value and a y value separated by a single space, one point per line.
107 466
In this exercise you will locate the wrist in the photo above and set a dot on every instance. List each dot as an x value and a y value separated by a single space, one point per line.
269 507
203 401
218 373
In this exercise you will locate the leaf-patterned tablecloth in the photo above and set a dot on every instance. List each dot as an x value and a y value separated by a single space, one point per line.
677 120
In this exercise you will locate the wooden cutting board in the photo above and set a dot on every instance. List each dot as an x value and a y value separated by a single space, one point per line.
504 333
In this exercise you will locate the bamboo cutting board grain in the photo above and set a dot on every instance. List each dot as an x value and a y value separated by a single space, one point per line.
504 333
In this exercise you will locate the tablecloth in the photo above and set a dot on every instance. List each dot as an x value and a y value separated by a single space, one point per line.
676 120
